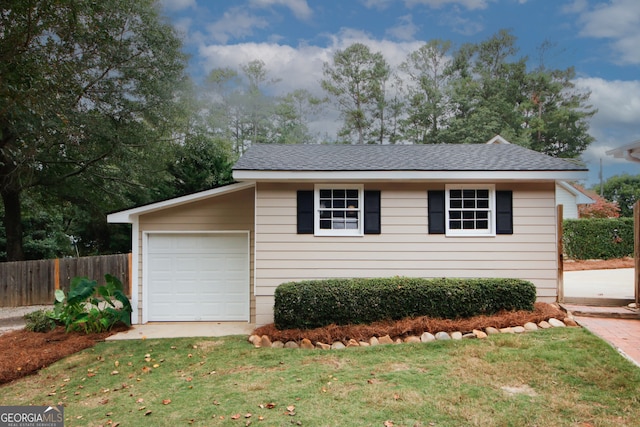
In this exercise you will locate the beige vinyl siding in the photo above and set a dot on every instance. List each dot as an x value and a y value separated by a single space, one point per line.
227 212
404 248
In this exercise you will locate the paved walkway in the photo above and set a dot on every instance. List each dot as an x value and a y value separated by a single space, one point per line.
622 334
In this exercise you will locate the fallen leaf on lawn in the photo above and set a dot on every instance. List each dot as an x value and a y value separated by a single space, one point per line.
291 408
189 355
235 416
189 379
91 374
173 347
260 418
396 397
146 369
270 405
147 413
166 401
156 365
247 415
215 402
388 423
114 372
142 408
116 363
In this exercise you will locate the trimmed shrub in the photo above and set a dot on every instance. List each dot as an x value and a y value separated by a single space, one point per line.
598 238
317 303
39 321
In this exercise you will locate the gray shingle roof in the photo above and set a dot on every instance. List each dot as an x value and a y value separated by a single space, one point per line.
441 157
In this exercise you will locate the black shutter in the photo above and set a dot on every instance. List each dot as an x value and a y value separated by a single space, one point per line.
372 212
504 212
436 212
305 212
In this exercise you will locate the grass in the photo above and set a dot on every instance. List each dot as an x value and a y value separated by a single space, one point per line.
558 377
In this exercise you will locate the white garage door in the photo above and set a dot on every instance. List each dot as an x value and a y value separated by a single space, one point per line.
198 277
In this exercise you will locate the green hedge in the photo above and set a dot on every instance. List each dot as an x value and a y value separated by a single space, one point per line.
598 238
312 304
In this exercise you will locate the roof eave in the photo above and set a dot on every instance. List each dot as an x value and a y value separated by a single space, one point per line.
544 175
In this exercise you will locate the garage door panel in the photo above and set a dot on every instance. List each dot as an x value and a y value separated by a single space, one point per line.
195 277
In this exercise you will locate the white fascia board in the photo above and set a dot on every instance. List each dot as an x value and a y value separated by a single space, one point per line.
410 176
130 215
581 198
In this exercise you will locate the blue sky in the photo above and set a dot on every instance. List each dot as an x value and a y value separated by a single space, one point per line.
601 39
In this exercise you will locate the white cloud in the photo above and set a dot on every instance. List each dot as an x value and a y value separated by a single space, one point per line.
617 20
404 30
299 8
235 23
618 102
468 4
176 5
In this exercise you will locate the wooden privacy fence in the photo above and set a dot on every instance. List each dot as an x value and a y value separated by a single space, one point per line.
35 282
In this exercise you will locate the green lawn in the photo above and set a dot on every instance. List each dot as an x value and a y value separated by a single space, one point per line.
558 377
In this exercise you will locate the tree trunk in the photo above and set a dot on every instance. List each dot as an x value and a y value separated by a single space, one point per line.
13 224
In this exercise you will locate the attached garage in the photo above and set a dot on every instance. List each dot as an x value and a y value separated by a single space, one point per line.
197 276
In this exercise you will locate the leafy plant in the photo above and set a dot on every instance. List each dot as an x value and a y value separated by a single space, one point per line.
39 321
92 308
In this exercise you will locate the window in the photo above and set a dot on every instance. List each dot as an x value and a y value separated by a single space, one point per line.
470 210
338 210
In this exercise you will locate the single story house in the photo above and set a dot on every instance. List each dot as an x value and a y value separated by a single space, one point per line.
302 212
571 197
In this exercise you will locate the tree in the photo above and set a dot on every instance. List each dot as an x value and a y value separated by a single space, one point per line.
429 70
86 91
623 190
293 112
356 82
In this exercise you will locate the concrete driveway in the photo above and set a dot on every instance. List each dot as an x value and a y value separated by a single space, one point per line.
613 286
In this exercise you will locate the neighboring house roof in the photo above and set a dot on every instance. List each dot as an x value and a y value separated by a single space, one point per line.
424 161
630 152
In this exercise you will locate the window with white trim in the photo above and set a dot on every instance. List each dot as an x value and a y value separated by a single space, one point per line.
470 210
338 210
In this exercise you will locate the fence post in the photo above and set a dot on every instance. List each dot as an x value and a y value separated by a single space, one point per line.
560 249
56 274
636 251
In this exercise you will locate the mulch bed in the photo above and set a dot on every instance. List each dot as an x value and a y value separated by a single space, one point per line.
23 353
417 326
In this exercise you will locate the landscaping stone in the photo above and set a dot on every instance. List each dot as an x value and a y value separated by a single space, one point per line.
491 330
322 346
337 345
456 335
544 325
530 326
507 330
518 329
385 340
442 336
479 334
469 335
556 323
374 341
254 339
265 341
427 337
352 343
291 344
306 344
570 322
277 344
411 339
363 344
398 341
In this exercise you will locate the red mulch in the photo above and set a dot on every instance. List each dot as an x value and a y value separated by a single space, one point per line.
23 353
598 264
416 327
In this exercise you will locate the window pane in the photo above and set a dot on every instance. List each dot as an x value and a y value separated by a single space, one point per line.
455 194
468 225
339 194
482 215
468 215
339 204
469 194
325 224
325 194
338 214
469 204
455 225
482 225
455 214
352 203
325 214
483 204
483 194
352 194
325 203
455 204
